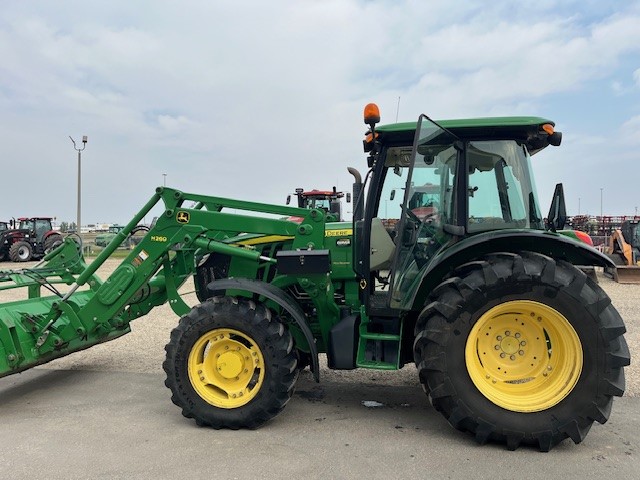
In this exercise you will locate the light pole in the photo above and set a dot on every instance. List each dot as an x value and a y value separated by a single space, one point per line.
79 150
602 216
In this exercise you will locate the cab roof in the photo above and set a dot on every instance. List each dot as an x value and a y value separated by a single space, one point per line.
525 129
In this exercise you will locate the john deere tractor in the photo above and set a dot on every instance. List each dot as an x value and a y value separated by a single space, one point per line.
447 265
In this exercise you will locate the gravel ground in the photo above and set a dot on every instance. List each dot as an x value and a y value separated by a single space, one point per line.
142 351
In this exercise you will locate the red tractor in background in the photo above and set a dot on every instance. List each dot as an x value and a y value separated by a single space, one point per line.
32 238
327 200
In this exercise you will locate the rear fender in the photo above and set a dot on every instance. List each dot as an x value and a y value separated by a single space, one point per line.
282 298
550 244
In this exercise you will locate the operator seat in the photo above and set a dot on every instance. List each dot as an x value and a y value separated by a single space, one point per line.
382 246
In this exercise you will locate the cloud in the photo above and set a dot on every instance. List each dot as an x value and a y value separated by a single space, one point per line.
252 102
636 77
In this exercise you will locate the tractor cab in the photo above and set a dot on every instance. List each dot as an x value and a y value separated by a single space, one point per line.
443 191
37 226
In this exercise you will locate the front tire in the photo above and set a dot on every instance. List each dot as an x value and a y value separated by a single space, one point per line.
20 252
229 364
521 349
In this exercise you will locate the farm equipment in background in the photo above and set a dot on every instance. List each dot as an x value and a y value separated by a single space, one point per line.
624 250
32 238
327 200
512 342
103 239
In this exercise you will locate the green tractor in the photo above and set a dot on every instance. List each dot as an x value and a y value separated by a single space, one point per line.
103 239
512 342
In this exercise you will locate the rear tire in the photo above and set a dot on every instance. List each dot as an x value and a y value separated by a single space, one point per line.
52 241
229 364
521 349
20 252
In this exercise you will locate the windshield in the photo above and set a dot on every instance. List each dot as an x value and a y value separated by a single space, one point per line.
321 203
501 190
26 224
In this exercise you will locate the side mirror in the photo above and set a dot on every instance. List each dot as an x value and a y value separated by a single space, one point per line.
557 217
555 139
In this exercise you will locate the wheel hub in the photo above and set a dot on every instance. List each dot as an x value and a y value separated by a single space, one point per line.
509 345
230 364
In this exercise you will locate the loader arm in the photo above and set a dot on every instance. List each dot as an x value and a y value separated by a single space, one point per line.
40 329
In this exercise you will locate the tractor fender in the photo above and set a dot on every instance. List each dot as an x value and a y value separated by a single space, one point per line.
557 246
280 297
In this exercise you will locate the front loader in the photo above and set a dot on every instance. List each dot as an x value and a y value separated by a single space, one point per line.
447 264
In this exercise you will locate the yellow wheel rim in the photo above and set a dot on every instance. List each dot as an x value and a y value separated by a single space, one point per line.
226 368
524 356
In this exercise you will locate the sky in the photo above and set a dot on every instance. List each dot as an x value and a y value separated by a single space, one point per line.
251 99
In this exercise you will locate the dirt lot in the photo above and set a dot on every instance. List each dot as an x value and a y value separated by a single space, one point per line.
142 351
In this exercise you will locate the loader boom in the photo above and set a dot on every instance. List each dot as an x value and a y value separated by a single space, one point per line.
40 329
